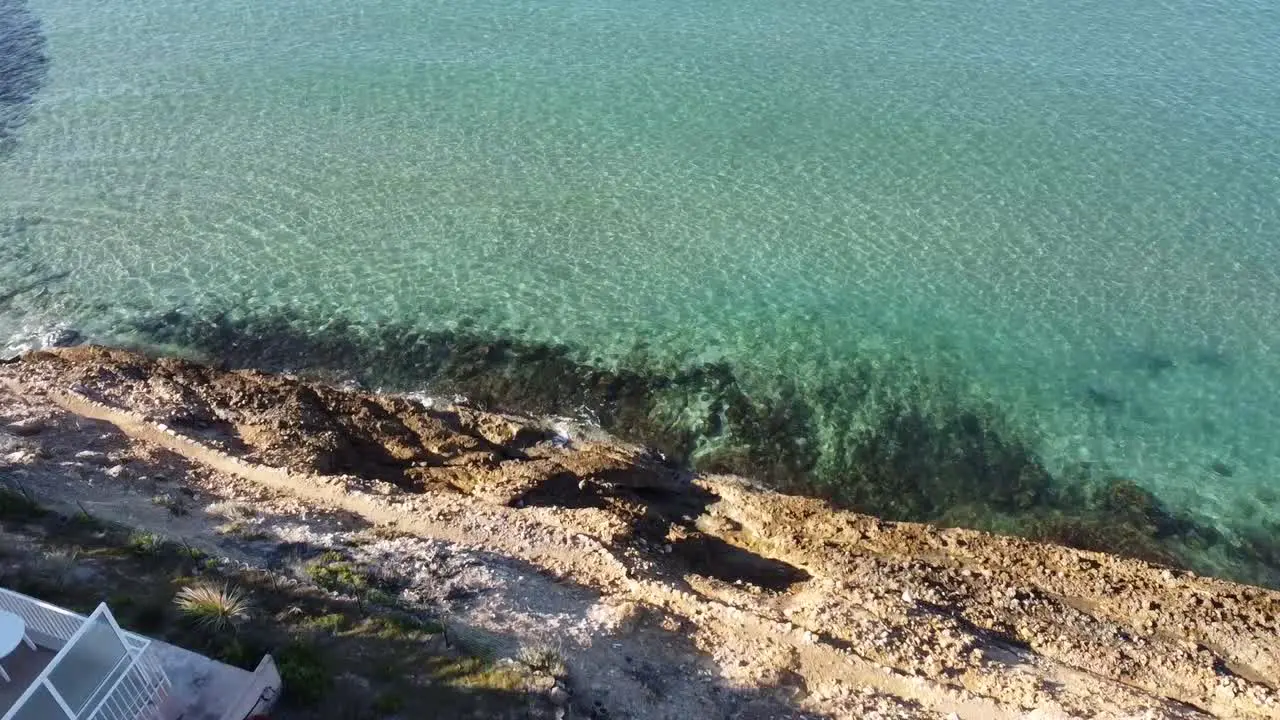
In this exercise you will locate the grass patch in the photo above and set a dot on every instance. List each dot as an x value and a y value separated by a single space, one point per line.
396 626
243 530
332 571
306 674
480 673
172 503
545 659
145 544
331 623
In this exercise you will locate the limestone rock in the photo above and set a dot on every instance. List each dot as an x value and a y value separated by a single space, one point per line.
26 427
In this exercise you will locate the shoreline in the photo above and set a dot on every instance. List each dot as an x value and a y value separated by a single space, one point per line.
925 449
763 590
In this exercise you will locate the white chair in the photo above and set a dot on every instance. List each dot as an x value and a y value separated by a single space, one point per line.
13 630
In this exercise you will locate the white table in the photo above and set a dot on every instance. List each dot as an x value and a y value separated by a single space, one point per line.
12 631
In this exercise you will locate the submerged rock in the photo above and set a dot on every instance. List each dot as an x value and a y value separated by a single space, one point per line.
61 337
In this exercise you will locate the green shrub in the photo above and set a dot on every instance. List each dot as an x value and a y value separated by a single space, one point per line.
239 651
378 596
145 615
332 623
394 627
334 572
85 521
388 703
305 673
145 543
15 505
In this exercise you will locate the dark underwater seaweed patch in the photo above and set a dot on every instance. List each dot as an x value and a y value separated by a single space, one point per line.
23 67
879 441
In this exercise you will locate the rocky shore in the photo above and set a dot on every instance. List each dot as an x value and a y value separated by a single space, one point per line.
668 595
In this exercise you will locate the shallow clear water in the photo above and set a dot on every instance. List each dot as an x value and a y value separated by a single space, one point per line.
1070 209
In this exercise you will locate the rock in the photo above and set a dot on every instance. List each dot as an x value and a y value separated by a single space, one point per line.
507 432
352 680
865 572
115 471
616 467
26 427
93 457
61 337
558 696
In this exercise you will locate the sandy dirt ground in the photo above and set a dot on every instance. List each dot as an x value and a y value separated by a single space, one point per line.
669 595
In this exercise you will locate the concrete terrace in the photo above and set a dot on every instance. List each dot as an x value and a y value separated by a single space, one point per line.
23 665
155 680
202 689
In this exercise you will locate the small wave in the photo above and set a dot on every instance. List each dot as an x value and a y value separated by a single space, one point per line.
39 336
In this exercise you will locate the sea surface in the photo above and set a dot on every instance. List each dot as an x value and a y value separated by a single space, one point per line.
845 242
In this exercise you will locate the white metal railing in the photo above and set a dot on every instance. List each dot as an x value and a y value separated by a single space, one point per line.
109 680
135 695
48 620
52 621
138 694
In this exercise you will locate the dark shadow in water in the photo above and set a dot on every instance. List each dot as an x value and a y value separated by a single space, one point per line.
23 68
8 295
1103 398
888 444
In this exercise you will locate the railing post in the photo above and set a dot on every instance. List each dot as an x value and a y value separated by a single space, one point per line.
57 697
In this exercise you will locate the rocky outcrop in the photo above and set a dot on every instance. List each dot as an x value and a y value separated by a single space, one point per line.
703 596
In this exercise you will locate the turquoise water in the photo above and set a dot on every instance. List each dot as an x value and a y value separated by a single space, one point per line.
1068 212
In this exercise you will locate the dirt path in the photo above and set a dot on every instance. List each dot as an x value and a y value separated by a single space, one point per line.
733 601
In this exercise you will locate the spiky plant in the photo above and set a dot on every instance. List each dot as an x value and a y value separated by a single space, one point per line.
544 658
59 566
217 608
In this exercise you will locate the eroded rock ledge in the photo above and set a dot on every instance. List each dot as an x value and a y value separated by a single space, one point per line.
701 596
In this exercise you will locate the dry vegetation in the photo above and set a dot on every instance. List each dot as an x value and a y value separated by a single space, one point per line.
234 614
